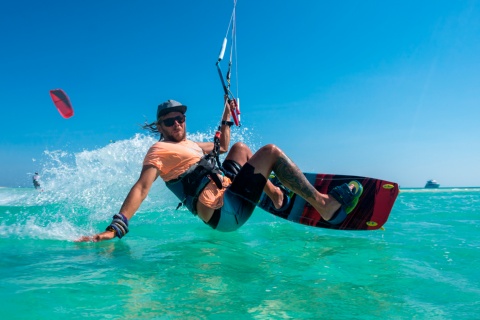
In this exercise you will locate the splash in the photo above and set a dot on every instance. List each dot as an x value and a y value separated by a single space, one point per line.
95 180
81 191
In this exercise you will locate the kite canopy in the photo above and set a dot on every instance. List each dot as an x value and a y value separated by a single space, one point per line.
61 101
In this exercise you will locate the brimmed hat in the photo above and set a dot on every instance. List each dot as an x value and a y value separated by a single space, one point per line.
170 106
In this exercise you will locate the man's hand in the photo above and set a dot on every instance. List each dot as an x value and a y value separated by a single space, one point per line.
106 235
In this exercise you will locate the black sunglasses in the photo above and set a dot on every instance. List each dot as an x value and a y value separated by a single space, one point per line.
171 121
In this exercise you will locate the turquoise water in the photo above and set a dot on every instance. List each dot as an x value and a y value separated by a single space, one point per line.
172 266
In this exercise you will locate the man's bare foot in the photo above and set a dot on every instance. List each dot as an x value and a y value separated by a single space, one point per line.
274 193
277 198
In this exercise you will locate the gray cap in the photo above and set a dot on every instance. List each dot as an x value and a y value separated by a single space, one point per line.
170 106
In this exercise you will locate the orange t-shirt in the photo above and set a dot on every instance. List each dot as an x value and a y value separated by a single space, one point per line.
174 158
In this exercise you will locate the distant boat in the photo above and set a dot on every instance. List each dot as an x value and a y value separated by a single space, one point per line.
431 184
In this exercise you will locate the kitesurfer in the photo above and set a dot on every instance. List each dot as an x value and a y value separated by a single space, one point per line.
36 180
224 198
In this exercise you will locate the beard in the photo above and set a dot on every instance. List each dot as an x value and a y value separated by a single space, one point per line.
175 137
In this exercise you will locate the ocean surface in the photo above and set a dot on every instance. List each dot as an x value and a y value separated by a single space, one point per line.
424 265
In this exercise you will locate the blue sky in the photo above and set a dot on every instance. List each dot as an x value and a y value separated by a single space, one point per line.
387 89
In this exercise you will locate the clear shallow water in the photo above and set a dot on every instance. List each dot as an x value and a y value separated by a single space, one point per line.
172 266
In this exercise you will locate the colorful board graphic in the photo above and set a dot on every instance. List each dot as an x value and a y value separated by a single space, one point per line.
371 212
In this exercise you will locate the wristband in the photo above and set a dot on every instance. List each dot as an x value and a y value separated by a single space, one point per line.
119 225
227 123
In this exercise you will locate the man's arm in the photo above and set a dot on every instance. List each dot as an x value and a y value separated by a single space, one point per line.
207 147
132 202
139 191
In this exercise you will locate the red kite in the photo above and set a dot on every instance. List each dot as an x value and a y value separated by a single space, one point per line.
61 101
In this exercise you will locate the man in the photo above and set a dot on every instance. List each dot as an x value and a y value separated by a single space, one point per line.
223 199
36 180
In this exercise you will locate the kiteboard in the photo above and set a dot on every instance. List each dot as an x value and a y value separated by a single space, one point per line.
370 213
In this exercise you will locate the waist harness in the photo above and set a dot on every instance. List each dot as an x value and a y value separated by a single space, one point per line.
190 184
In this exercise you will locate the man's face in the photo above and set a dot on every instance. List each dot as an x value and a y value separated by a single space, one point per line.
172 126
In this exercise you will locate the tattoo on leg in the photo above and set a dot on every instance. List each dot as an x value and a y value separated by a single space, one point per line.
291 176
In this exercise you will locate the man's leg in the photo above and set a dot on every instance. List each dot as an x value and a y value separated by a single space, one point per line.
270 158
241 153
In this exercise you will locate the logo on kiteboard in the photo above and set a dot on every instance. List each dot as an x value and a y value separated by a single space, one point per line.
372 224
388 186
